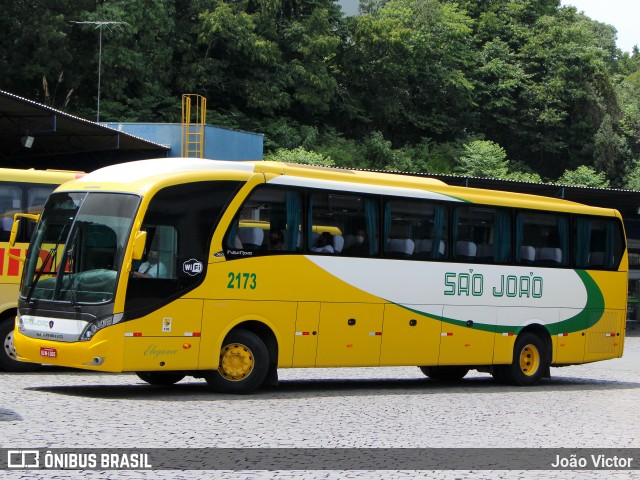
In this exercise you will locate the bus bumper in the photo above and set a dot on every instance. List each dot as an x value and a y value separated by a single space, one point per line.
89 355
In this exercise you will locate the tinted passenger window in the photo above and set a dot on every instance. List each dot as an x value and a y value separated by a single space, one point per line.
12 200
342 224
482 234
542 239
10 203
598 243
415 229
269 223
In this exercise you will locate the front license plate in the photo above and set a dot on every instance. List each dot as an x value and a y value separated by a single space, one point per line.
48 352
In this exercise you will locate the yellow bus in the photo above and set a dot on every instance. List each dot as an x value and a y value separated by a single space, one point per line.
166 268
21 191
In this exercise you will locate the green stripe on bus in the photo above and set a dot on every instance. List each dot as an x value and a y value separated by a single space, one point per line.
586 318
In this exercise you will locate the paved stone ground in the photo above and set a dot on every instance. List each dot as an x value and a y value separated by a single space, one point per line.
585 406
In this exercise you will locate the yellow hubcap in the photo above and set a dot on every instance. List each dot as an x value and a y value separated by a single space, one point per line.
236 362
529 360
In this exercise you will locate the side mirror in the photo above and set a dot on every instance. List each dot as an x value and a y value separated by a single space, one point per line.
16 225
138 245
14 232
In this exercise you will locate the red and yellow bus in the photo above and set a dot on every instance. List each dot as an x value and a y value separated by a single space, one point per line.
21 191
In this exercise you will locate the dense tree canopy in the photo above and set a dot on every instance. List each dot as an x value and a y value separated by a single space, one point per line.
523 89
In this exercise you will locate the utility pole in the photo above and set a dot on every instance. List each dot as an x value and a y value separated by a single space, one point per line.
99 24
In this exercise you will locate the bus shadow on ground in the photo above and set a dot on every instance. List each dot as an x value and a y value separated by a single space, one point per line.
197 390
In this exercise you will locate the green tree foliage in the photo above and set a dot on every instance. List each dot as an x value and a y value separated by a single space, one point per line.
483 158
137 57
571 89
633 178
544 82
429 156
345 152
501 79
38 40
584 176
300 155
611 149
523 176
262 58
409 85
403 71
520 172
629 97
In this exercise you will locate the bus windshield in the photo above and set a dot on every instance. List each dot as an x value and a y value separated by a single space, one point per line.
78 247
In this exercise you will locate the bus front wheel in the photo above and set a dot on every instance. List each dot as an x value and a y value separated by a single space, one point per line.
244 363
8 356
530 361
160 378
451 373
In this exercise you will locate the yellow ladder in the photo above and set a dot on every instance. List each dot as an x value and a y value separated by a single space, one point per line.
194 113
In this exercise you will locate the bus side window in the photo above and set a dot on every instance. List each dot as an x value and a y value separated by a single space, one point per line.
597 243
159 260
482 234
10 203
547 234
427 249
251 237
7 220
349 220
268 223
36 198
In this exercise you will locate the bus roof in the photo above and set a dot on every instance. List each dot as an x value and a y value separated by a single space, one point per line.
30 175
145 175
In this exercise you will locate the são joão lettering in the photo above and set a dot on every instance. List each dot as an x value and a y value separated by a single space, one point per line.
475 284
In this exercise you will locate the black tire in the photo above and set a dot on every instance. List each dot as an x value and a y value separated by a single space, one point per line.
244 363
530 361
8 360
451 373
160 378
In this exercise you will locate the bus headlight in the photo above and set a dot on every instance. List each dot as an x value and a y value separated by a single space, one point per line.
94 327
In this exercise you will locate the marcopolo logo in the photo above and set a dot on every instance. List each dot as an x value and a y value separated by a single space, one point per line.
192 267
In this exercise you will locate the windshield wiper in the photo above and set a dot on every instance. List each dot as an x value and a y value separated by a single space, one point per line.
69 259
51 256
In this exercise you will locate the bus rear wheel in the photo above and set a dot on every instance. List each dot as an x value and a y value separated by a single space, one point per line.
8 356
244 363
530 361
451 373
160 378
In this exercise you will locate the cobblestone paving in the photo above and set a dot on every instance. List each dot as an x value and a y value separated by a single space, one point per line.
585 406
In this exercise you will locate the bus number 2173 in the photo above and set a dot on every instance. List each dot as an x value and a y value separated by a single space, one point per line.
242 280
